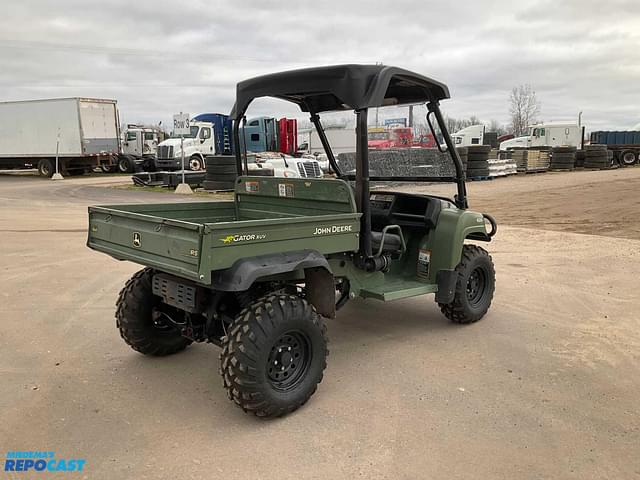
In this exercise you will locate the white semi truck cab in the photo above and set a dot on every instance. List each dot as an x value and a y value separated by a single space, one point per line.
139 145
198 144
472 135
547 135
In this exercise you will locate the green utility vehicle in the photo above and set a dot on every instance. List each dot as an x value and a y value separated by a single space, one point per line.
258 275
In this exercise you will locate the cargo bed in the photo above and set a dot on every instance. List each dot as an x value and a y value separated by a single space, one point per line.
267 215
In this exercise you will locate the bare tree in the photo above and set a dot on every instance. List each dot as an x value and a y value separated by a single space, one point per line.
495 126
456 124
524 108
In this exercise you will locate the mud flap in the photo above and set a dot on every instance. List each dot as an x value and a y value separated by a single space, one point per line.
446 280
320 291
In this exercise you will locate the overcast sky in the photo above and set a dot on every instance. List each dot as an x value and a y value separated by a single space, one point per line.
157 58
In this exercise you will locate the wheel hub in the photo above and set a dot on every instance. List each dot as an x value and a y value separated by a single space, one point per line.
288 360
476 286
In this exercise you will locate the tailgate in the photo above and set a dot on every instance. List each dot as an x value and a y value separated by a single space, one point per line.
172 246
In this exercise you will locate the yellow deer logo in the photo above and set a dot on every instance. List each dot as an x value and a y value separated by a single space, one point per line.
227 239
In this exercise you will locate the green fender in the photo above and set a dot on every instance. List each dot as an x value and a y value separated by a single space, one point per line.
446 240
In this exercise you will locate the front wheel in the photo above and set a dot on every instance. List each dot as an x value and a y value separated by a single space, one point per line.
274 355
195 163
475 286
125 164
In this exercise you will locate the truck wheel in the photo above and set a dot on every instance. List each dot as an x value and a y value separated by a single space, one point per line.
628 157
125 164
273 355
474 287
135 319
195 163
46 168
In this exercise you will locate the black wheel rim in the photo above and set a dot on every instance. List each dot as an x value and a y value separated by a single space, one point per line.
289 360
476 286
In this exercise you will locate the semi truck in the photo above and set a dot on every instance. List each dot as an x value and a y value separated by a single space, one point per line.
625 145
565 134
268 134
82 133
139 144
472 135
199 143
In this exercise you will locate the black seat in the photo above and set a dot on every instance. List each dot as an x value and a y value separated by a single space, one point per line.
392 242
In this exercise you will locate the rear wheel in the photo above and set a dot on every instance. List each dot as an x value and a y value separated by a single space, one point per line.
474 287
628 157
142 323
46 168
274 355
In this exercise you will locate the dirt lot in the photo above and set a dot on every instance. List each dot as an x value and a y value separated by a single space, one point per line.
546 386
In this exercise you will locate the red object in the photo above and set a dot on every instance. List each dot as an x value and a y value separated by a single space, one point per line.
402 137
288 135
399 137
424 141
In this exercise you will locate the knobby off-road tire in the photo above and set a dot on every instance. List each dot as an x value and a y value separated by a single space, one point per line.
474 287
135 322
273 355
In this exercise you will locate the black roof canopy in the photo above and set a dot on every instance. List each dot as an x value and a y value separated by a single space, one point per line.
340 87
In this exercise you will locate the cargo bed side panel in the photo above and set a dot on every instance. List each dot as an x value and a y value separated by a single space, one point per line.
170 246
224 243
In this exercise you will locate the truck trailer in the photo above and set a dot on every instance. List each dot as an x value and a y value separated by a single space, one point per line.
83 133
625 145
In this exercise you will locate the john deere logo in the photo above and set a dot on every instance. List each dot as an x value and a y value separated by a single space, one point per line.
137 240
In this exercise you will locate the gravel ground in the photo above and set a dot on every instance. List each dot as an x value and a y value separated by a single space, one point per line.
545 386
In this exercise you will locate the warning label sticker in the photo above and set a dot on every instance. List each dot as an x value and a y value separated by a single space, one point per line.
285 189
424 260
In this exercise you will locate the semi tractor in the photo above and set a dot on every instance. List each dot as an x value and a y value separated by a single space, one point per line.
199 143
625 145
472 135
81 133
565 134
268 134
139 144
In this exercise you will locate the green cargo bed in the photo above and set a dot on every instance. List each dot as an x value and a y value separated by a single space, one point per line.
267 215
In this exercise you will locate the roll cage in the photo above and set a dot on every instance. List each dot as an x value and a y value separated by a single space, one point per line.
357 88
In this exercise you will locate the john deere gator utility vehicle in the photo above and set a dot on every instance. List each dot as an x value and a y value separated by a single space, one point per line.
258 275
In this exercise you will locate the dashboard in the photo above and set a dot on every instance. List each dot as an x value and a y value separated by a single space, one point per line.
404 209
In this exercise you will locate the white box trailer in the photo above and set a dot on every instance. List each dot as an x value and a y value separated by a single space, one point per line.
342 140
84 131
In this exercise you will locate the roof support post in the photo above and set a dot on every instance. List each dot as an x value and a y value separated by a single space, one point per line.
461 197
362 182
315 119
236 145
